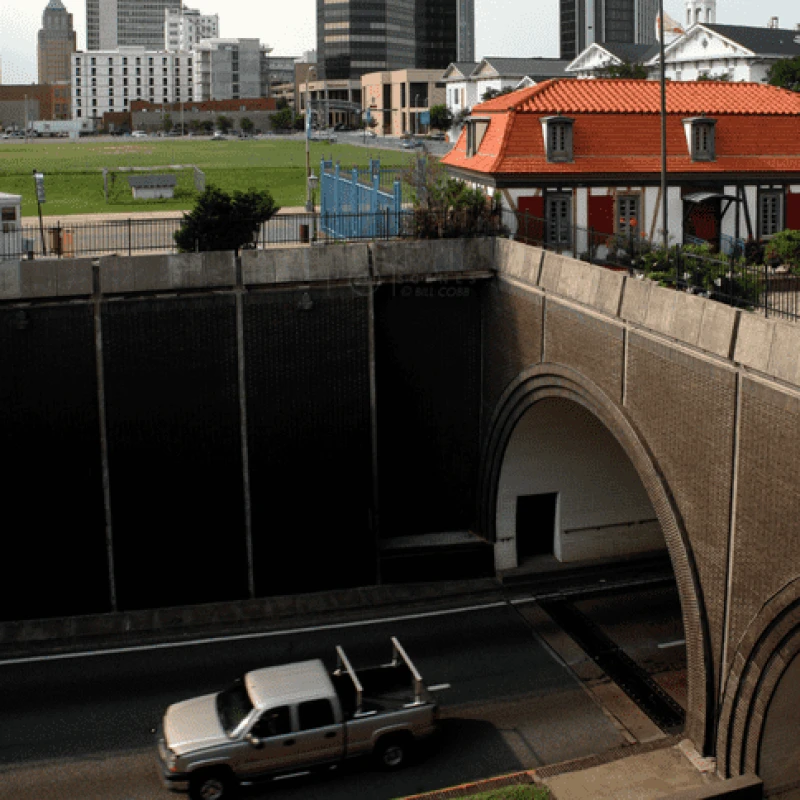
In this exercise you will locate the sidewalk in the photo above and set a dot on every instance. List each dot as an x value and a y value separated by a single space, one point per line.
83 219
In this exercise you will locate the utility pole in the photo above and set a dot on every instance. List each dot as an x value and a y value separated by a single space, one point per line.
308 138
664 217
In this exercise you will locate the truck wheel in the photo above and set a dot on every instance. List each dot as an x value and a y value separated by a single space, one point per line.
211 784
392 752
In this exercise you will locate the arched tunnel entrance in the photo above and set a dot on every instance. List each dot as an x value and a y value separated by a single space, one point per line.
567 477
568 490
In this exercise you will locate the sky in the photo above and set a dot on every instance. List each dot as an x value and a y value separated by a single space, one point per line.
511 28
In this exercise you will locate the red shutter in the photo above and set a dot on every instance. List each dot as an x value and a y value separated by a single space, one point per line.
793 211
600 216
530 216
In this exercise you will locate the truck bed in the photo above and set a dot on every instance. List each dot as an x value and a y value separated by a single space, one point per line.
385 688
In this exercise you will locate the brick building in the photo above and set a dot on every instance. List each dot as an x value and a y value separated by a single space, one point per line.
32 101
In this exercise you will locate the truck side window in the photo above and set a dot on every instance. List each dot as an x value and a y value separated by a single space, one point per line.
273 722
315 714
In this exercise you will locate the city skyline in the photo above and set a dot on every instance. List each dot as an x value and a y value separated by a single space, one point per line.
512 28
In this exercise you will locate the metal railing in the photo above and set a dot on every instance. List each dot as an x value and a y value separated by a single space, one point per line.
726 277
730 279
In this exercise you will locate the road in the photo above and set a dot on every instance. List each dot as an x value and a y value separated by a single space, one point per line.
79 727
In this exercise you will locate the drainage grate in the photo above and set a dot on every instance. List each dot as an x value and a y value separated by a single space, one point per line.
618 665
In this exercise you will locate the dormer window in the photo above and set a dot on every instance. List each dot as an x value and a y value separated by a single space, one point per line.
558 138
700 134
476 130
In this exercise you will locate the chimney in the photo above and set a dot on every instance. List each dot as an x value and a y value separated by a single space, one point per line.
773 22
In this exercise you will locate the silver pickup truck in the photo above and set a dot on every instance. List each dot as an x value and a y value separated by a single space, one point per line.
293 718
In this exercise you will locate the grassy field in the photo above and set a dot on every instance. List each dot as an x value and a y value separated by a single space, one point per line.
74 179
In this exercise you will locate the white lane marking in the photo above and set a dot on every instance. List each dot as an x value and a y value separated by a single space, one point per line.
256 635
676 643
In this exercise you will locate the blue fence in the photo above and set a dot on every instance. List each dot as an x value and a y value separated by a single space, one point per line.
354 206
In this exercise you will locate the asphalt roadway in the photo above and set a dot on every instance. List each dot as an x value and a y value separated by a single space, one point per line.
78 727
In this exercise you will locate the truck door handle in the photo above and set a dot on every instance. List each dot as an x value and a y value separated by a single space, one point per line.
288 743
330 735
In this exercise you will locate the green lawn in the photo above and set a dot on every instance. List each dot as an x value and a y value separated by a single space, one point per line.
74 180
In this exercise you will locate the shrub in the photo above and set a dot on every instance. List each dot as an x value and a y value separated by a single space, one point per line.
784 248
221 221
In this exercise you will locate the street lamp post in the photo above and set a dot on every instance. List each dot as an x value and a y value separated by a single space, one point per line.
416 115
664 219
309 206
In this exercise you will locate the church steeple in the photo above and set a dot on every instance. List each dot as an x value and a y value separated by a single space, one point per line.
700 11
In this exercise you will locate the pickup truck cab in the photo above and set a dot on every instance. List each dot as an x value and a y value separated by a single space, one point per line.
294 718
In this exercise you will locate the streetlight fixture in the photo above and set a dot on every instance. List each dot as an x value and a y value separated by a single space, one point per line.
309 204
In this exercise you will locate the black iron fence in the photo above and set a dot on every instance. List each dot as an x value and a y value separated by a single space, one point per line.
157 235
734 279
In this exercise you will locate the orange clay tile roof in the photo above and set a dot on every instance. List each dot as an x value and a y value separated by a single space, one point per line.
606 95
617 128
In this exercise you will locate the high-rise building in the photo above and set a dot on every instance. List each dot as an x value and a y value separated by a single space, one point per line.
185 27
56 43
355 37
126 23
584 22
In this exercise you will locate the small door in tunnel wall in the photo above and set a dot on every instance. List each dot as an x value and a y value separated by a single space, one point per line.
536 525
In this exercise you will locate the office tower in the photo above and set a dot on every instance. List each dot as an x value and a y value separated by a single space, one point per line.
56 43
124 23
185 27
583 22
359 36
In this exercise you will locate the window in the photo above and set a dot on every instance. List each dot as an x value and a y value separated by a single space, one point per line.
700 134
558 216
770 212
628 216
273 722
558 138
315 714
476 130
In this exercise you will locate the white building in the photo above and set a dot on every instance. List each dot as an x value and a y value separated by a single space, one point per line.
466 82
730 52
186 27
104 81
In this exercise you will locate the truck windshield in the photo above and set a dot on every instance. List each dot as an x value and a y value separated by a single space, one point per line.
233 705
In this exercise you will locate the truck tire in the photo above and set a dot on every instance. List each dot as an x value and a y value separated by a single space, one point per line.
392 752
212 784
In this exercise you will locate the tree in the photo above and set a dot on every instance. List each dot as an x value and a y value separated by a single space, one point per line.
166 123
705 76
441 117
446 207
224 124
282 120
624 70
786 74
221 221
247 125
461 117
490 93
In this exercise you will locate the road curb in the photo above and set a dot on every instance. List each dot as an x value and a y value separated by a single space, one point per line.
60 634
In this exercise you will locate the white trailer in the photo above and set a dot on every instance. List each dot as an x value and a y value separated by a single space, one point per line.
61 127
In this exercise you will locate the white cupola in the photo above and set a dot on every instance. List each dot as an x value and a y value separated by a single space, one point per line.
700 11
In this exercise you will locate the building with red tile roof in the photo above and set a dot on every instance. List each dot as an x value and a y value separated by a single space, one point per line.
587 154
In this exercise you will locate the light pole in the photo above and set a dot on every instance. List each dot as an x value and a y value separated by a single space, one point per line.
664 220
416 115
309 206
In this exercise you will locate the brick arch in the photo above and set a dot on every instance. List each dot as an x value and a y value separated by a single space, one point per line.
764 653
547 381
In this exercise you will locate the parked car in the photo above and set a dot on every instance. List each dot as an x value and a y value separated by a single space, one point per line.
292 718
436 137
411 144
218 136
139 135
